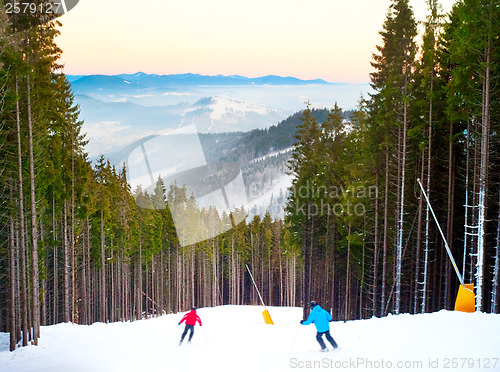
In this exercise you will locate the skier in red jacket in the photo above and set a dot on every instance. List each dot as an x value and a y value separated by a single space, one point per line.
191 318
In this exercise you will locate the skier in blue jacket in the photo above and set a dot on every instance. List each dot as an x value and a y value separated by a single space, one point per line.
321 319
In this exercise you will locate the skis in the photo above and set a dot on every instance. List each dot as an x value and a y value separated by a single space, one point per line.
326 350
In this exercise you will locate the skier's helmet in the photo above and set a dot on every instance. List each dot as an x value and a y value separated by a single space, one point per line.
313 304
193 308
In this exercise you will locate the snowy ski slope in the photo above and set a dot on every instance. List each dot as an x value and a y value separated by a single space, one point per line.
235 338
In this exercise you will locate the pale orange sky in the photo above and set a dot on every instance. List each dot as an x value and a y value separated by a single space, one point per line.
326 39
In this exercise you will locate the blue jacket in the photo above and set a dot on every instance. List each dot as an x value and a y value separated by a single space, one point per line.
320 317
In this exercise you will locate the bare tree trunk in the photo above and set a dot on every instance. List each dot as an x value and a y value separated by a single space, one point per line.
451 213
399 244
34 230
89 272
496 269
112 296
102 294
269 277
145 292
139 281
375 250
18 304
66 316
362 281
386 238
28 305
466 226
307 265
282 288
348 278
192 277
84 315
55 271
120 298
327 279
74 308
126 290
427 226
43 303
232 276
334 272
215 255
483 180
419 239
12 284
22 232
162 283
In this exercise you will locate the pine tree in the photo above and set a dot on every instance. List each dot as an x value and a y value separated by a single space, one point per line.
471 52
391 81
303 166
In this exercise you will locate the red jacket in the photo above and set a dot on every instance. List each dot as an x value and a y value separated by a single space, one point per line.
191 318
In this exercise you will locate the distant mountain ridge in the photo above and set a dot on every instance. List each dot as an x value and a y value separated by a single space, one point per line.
143 80
262 156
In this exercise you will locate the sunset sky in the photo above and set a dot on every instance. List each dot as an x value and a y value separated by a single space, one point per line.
326 39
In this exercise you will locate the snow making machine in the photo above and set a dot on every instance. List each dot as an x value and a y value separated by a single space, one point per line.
466 299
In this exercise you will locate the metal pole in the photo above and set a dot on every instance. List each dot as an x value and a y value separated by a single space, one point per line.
255 285
442 234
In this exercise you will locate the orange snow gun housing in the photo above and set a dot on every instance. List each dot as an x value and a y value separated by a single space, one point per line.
267 317
466 299
265 313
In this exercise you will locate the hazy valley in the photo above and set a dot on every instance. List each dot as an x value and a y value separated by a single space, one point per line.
249 122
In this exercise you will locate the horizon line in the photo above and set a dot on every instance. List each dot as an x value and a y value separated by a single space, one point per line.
219 75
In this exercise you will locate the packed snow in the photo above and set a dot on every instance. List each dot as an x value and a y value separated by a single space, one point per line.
222 106
235 338
271 154
271 200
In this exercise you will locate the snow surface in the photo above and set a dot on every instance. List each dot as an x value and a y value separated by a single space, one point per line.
271 154
235 338
222 106
266 202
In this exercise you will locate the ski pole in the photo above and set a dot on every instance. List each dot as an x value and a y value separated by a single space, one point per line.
295 338
352 333
204 335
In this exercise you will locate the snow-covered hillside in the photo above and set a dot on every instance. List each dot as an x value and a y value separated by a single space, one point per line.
273 200
110 126
223 114
235 338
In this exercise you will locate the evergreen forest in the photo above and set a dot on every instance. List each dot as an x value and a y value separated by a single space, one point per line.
358 235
